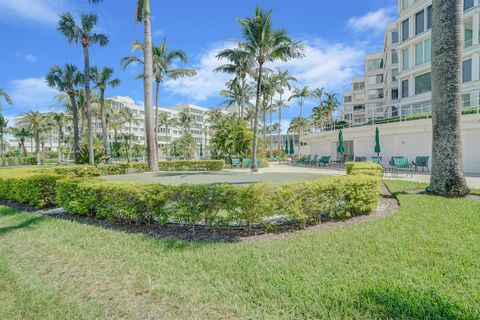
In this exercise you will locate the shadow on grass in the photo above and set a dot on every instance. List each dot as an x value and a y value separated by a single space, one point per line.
409 303
22 225
192 173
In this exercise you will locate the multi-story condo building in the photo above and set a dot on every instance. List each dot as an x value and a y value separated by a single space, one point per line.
397 80
394 93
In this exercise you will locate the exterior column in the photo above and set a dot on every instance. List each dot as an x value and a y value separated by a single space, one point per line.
475 27
475 66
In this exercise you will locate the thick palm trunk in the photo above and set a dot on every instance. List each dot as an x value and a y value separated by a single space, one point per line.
255 119
264 128
447 177
76 137
242 103
86 75
157 93
104 122
147 86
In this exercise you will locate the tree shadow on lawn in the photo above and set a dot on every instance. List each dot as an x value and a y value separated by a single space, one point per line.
411 303
192 173
22 225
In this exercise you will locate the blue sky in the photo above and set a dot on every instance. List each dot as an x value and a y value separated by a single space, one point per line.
337 35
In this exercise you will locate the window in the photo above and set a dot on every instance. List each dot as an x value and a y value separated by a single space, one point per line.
394 57
374 64
359 86
405 88
419 54
358 108
376 79
375 94
419 22
405 30
405 59
467 4
394 74
466 100
467 70
429 17
428 51
404 5
347 99
395 37
394 94
359 96
423 83
468 38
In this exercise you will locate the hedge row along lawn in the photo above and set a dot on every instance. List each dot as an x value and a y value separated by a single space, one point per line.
217 206
421 262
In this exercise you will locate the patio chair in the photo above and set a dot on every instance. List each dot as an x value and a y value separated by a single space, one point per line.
401 164
236 163
325 160
376 160
247 163
421 162
313 161
296 162
360 159
259 161
307 160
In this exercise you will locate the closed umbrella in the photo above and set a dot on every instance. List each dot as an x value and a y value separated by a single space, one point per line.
341 146
174 150
201 150
292 148
286 146
377 142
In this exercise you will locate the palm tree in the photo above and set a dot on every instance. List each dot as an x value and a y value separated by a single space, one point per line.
21 134
60 120
163 61
263 44
298 125
4 95
66 80
283 79
3 130
35 121
301 94
84 34
447 176
166 121
185 120
241 65
103 79
330 104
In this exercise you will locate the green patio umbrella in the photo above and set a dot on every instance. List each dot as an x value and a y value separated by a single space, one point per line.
341 146
286 146
201 150
174 150
292 147
377 142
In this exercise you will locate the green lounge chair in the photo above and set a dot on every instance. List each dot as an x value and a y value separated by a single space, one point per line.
325 160
401 164
376 160
307 160
313 161
296 162
236 163
360 159
421 162
246 163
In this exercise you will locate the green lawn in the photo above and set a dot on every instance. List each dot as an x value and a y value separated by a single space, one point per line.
422 262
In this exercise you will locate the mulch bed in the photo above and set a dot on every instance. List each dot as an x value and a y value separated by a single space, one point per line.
387 205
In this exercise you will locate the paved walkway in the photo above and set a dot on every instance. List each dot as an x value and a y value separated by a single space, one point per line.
473 180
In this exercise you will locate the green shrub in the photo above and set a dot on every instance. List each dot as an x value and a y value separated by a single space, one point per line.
254 202
78 171
191 165
12 161
36 190
368 168
361 193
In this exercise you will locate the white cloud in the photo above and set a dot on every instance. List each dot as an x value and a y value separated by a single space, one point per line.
28 57
375 21
206 83
40 11
31 94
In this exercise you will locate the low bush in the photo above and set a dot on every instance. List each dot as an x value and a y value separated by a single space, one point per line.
17 161
368 168
192 165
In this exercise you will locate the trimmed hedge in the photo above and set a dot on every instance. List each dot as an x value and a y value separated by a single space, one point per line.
365 168
17 161
191 165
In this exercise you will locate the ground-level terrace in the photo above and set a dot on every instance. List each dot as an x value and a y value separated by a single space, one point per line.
407 138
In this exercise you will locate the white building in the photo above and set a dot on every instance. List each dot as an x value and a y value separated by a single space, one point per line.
395 91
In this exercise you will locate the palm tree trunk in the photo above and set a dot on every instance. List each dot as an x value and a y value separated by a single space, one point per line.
104 122
59 145
157 93
264 127
271 125
1 145
86 75
255 119
76 138
37 147
447 177
280 124
147 86
166 140
242 104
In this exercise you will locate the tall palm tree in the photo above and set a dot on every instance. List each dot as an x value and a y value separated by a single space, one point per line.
66 80
447 177
103 79
185 121
301 94
35 121
330 104
21 134
84 34
166 121
298 125
3 130
6 97
264 43
241 65
60 120
163 68
283 80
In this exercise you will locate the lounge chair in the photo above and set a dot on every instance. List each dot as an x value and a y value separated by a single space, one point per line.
236 163
247 163
421 162
307 160
401 164
325 160
313 161
360 159
376 160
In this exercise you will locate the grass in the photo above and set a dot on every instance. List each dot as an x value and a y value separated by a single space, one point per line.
422 262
